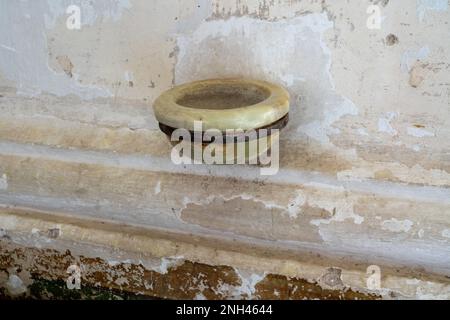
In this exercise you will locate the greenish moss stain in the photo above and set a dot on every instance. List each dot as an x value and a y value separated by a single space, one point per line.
57 290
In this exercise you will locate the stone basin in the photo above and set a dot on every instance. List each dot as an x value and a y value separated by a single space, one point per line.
240 110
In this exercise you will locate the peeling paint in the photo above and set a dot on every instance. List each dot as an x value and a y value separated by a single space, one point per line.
411 56
363 131
292 208
28 65
341 209
332 279
338 103
424 6
15 285
395 225
421 233
8 48
3 182
248 283
446 233
417 74
419 132
295 204
355 174
158 188
167 263
416 148
238 47
384 124
189 280
200 296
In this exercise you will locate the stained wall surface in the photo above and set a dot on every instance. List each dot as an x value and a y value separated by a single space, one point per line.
365 159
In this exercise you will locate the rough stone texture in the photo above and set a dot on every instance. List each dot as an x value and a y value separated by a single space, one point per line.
365 161
113 255
186 281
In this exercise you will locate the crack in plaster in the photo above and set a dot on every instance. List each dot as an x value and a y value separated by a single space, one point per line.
292 208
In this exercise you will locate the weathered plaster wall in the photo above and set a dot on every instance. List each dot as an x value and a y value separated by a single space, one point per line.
365 160
359 95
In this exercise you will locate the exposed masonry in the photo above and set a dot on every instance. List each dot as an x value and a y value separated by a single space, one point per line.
186 281
43 257
173 277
